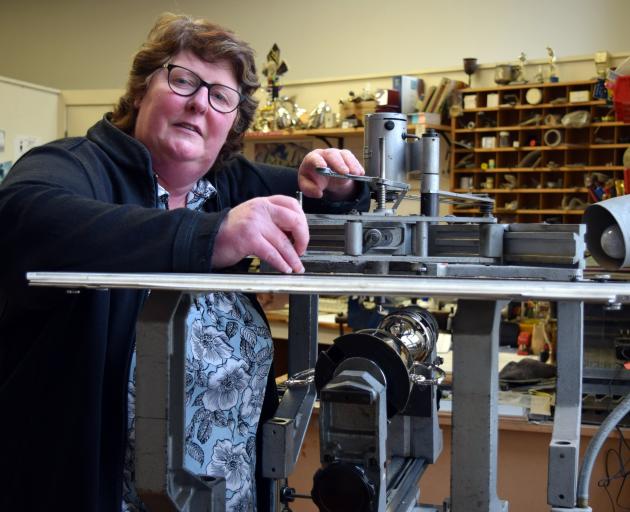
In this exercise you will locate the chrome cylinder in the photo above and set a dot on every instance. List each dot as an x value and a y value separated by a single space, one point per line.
414 332
421 239
354 238
430 162
430 181
386 131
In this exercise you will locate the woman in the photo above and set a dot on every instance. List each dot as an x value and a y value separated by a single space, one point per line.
157 186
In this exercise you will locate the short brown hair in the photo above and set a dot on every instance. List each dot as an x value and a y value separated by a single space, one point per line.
173 33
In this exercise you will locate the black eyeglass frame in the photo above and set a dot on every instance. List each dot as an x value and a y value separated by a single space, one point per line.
169 67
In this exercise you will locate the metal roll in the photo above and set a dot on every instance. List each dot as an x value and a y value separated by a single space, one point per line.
552 137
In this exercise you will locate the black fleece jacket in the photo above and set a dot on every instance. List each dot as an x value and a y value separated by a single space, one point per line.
88 204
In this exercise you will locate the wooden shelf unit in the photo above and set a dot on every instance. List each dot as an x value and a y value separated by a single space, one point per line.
556 189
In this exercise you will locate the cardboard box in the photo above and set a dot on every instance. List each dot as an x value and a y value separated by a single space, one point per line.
470 101
492 100
488 142
579 96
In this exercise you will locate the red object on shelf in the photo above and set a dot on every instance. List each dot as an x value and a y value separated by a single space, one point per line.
524 341
621 98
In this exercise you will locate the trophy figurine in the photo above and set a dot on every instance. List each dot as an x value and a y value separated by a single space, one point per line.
520 69
553 70
273 69
470 66
267 115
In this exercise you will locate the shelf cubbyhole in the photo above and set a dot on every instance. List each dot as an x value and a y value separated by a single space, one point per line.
599 156
603 135
575 136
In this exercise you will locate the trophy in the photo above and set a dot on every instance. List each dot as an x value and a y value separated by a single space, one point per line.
267 116
470 66
274 68
520 69
553 69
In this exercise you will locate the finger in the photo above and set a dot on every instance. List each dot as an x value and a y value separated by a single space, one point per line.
268 253
343 161
293 223
353 164
314 159
335 160
286 201
277 250
312 184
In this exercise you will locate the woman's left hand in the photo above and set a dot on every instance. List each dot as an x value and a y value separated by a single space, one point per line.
313 184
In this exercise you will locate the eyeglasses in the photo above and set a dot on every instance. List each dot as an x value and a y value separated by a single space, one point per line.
184 82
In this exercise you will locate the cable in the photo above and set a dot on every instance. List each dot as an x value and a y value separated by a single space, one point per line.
624 465
622 473
595 446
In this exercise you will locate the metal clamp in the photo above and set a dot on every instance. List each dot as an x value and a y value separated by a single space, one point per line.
303 378
418 378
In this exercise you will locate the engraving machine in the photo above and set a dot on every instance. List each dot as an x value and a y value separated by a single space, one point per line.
378 419
373 454
382 242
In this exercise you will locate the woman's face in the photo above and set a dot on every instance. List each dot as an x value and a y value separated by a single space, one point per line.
184 134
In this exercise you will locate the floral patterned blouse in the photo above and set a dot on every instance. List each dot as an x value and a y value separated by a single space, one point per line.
228 357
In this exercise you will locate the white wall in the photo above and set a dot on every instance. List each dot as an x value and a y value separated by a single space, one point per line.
84 107
332 46
88 44
28 113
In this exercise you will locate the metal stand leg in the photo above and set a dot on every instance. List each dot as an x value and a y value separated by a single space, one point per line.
564 449
284 434
162 482
302 332
475 416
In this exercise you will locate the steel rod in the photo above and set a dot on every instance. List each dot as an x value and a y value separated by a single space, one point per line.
347 284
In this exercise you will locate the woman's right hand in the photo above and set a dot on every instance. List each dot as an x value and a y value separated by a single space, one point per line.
272 228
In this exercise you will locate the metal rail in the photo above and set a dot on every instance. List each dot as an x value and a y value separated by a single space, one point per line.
339 284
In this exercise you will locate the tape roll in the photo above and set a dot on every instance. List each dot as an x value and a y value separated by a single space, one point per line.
552 137
471 125
533 96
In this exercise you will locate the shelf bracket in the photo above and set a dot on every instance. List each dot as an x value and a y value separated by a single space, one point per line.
325 140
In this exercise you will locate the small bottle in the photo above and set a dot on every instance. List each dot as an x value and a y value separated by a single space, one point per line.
504 139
